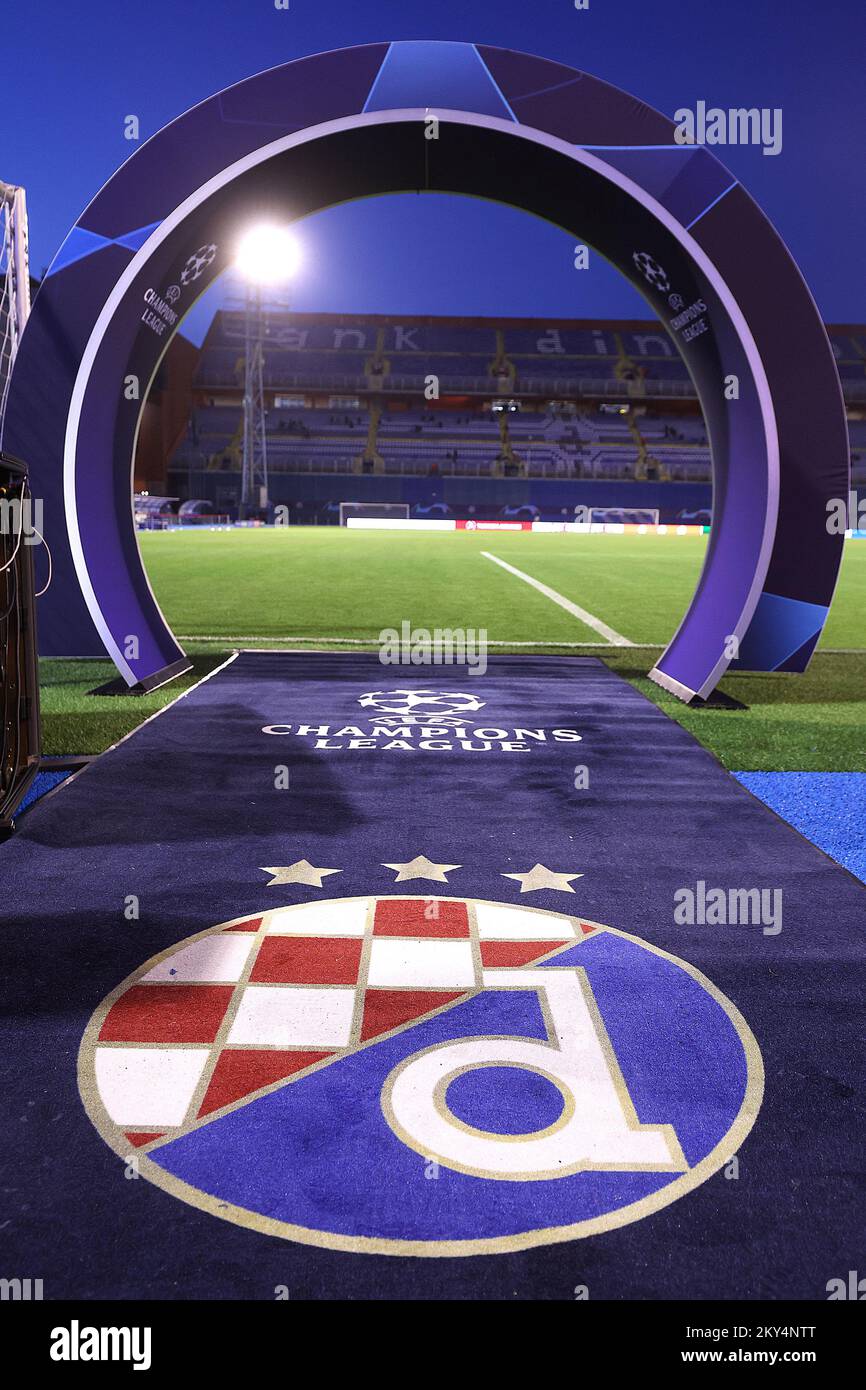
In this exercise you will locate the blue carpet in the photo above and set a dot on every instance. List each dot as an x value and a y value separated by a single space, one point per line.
165 836
829 808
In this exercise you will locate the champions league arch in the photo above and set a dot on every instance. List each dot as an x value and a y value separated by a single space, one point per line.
513 128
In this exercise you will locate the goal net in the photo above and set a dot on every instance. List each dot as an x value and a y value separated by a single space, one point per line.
374 511
627 516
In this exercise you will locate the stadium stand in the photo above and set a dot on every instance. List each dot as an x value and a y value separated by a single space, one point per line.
455 414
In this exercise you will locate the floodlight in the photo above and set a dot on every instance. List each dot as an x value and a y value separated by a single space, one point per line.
268 254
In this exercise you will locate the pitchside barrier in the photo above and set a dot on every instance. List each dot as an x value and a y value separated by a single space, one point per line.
465 119
217 522
609 528
387 510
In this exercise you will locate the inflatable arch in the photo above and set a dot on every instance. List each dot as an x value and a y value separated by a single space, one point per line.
512 128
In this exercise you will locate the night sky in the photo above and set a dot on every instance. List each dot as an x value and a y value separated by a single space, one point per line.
72 72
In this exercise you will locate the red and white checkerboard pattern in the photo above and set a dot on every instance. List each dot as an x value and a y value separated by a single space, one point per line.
259 1001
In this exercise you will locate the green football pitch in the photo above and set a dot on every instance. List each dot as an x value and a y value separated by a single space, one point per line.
333 587
326 583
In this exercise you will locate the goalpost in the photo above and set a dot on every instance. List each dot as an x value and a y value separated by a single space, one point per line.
397 511
627 516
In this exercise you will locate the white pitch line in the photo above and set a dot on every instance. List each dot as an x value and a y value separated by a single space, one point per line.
371 642
615 639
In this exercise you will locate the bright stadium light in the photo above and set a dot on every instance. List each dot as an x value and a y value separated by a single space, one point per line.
268 255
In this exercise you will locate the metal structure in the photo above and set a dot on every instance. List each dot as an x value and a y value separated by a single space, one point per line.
249 318
254 470
14 280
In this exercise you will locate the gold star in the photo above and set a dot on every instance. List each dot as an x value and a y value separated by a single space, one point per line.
540 877
300 872
422 867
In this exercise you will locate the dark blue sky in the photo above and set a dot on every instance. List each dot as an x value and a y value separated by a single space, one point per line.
80 68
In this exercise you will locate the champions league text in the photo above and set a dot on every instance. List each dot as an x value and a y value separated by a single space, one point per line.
411 736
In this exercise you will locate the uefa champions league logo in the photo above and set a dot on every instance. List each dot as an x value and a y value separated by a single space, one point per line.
422 706
651 271
423 720
197 264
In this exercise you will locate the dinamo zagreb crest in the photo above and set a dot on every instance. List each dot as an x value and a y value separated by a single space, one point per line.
421 1076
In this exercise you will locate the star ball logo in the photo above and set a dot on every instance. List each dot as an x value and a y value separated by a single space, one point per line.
198 263
273 1069
425 706
651 271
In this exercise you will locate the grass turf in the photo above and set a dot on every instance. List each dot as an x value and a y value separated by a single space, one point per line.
278 587
75 722
325 582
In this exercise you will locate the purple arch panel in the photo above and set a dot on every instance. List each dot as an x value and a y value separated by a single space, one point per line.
557 142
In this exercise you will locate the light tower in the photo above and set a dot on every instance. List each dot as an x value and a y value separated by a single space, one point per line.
14 280
254 474
267 255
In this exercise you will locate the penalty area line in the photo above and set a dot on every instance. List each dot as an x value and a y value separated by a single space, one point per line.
611 636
